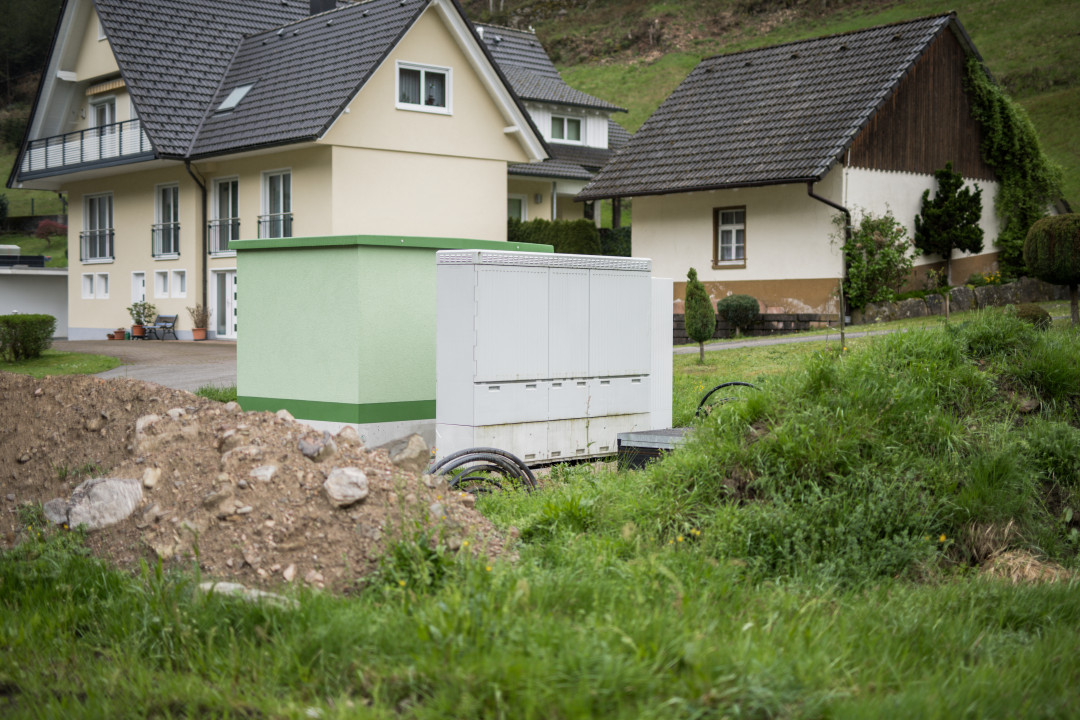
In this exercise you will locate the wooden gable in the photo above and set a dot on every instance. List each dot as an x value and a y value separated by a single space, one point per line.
927 121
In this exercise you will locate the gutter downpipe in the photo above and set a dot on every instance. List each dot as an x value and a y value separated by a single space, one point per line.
205 235
847 236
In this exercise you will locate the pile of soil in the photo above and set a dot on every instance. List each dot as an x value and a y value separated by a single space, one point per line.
207 481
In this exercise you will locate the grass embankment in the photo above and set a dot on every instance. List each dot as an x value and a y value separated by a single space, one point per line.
810 553
55 248
25 202
53 362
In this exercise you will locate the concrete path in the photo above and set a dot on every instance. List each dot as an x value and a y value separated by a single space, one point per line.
183 365
779 340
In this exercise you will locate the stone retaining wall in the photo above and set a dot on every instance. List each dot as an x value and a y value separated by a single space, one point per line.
1024 290
767 324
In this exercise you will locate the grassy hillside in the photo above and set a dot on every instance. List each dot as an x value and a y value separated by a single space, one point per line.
634 53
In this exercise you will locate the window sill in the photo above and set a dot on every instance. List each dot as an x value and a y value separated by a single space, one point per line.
432 109
729 265
226 254
98 261
167 257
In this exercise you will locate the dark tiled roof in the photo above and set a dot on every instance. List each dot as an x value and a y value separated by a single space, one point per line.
530 71
302 75
571 162
775 115
552 168
617 135
173 54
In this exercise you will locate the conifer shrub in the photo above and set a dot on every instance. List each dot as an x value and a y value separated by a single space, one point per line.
699 316
1052 254
949 221
23 337
615 242
739 310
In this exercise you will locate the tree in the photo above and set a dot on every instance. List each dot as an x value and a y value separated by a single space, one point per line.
951 220
1052 254
739 310
700 318
877 256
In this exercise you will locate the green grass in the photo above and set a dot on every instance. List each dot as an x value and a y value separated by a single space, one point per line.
55 249
20 201
215 392
53 362
808 553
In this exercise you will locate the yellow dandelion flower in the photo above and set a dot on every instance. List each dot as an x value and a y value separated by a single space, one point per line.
488 568
679 538
464 543
401 583
942 538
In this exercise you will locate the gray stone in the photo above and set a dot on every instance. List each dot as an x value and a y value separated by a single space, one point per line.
285 415
143 423
961 299
436 511
263 473
410 453
101 502
232 407
248 452
229 439
318 449
350 436
150 477
176 413
987 296
56 511
935 304
251 595
346 486
911 308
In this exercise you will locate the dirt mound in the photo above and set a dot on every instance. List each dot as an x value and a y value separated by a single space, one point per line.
235 486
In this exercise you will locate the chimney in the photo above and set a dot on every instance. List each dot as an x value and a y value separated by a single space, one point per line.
319 6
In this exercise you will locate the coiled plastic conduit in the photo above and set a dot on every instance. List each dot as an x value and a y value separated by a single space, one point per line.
472 461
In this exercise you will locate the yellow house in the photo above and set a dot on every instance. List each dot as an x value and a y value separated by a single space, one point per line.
178 126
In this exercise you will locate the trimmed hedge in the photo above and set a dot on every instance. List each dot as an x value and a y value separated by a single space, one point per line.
578 237
615 242
1052 249
739 310
25 336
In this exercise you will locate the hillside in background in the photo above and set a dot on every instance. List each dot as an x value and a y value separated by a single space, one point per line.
634 52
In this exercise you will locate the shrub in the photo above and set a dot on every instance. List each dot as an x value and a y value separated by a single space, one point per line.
951 220
48 228
878 259
1034 314
739 310
3 209
1052 253
700 319
615 242
25 336
984 279
578 237
142 312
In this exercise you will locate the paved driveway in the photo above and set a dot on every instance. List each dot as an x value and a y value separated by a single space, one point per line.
178 364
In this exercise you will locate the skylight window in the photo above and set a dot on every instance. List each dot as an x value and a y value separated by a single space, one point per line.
234 98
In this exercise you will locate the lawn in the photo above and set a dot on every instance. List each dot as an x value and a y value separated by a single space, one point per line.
820 548
54 248
53 362
26 202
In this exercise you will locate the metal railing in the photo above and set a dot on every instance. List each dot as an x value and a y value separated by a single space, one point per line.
96 244
276 225
97 144
166 239
222 231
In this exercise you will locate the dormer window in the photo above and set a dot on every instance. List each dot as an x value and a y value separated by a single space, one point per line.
424 88
234 98
566 129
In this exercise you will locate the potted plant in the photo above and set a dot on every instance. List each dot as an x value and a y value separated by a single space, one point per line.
200 318
141 313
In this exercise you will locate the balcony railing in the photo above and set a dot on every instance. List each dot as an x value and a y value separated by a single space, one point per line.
96 145
166 239
276 225
96 245
222 231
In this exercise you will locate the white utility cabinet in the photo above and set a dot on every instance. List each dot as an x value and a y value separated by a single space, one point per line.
548 356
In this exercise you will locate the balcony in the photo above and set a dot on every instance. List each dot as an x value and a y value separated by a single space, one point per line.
166 240
275 225
113 144
222 231
96 245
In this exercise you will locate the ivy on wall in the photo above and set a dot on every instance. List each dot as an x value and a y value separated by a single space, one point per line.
1030 181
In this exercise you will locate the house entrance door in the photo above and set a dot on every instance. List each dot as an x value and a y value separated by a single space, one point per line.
224 308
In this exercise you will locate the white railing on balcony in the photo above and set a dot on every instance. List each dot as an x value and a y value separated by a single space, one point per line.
93 145
222 231
96 244
166 239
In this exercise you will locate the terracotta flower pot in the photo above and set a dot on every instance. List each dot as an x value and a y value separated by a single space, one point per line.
138 331
198 333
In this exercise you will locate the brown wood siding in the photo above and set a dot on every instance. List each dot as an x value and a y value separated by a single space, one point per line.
927 122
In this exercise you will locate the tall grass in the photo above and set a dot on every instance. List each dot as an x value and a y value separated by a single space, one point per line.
806 554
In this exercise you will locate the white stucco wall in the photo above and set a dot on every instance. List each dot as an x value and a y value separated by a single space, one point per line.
877 191
35 290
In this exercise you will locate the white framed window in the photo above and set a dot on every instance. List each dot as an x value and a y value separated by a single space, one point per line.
424 87
566 129
224 216
138 287
96 239
161 283
166 228
101 286
103 111
178 283
88 286
729 237
276 220
517 207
